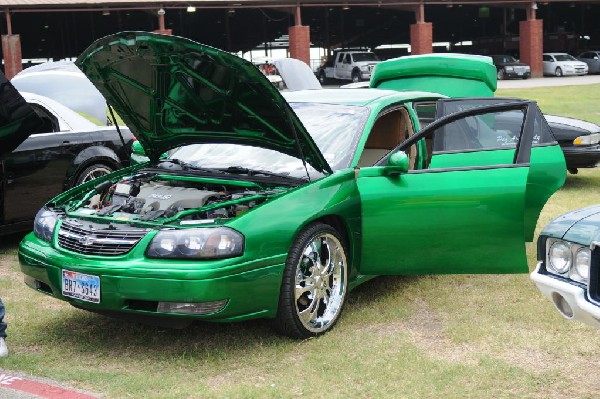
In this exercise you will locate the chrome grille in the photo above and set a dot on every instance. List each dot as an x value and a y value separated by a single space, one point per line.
90 238
520 69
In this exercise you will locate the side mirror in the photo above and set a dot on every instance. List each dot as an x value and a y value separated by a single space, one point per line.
397 164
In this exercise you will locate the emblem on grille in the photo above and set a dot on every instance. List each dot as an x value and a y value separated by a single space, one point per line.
87 240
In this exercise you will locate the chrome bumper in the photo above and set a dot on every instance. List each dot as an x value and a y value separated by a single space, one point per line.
570 300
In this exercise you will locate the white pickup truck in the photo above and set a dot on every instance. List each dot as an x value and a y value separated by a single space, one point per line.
354 65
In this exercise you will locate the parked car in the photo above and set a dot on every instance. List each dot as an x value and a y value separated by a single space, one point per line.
579 140
274 207
354 65
562 64
568 269
592 59
65 151
509 67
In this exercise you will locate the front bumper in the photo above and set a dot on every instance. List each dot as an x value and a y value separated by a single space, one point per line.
517 75
560 292
582 156
250 290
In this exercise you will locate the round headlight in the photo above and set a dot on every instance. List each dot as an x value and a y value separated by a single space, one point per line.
582 262
560 257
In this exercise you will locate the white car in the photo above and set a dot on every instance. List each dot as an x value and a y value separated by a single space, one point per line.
563 64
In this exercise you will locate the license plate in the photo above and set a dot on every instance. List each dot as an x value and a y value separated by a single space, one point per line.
520 73
85 287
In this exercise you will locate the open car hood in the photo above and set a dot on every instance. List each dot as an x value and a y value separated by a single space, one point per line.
17 119
171 91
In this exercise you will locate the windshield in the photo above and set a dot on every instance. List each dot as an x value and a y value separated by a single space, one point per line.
335 129
360 57
564 57
503 58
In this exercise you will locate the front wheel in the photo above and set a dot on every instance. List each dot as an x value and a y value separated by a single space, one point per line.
558 72
92 172
314 283
355 77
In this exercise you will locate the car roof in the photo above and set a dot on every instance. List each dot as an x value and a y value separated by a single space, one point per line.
72 118
355 97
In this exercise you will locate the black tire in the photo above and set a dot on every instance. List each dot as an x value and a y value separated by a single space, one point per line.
91 172
500 74
558 72
573 171
356 76
319 279
322 77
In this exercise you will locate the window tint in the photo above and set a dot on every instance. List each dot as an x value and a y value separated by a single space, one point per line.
425 113
340 57
542 132
497 130
49 122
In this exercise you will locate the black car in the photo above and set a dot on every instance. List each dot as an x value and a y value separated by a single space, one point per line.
579 140
63 151
509 67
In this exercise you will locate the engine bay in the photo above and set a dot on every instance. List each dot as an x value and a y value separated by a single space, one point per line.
153 196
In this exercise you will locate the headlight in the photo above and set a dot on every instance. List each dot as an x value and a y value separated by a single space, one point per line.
509 68
590 139
581 271
559 257
44 223
204 243
364 68
528 68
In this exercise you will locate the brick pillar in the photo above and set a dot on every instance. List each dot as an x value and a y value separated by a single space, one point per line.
421 38
300 43
531 45
11 52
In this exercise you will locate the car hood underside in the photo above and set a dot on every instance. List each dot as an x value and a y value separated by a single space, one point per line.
171 91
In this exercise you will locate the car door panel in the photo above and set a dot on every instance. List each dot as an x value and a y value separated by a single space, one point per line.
466 213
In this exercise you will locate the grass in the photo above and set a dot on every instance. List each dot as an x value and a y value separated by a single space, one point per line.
402 337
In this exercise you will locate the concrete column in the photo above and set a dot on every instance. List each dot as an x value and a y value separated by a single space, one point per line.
421 33
299 40
531 44
11 52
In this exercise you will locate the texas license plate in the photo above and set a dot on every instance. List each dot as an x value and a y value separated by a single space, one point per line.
85 287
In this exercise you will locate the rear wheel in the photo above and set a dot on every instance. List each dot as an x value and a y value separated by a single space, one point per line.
322 77
558 72
314 283
500 74
92 172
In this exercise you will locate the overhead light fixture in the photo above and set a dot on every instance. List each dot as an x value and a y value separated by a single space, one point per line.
191 9
346 7
534 6
106 12
161 11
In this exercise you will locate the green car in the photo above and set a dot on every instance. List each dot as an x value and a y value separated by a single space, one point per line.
276 207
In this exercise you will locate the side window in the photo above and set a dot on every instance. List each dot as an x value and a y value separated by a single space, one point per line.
390 129
499 130
340 57
49 122
542 132
547 58
347 59
425 112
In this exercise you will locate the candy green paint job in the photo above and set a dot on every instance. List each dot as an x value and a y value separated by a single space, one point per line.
453 75
250 238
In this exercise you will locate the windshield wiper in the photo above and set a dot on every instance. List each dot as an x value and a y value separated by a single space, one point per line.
240 170
186 166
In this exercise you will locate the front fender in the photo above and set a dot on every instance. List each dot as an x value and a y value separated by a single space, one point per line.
94 154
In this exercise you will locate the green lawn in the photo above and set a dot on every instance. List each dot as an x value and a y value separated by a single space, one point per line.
465 336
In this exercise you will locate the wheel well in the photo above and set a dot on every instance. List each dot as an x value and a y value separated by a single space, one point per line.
338 223
97 160
356 70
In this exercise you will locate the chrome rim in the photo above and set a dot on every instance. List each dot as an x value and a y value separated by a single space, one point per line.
320 282
95 173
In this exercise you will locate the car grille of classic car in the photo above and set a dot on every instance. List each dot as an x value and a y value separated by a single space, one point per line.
97 239
594 279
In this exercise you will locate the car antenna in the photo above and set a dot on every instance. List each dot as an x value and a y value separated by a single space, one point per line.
287 111
114 121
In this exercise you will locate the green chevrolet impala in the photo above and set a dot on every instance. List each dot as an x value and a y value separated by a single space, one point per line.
277 206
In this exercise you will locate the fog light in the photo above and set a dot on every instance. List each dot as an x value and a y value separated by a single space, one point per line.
192 307
563 306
